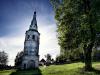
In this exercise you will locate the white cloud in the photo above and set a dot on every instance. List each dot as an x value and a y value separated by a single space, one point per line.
11 45
13 41
48 43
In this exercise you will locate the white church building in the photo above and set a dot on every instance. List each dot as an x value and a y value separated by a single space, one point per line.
31 46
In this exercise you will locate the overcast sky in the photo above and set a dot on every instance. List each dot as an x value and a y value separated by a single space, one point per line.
15 18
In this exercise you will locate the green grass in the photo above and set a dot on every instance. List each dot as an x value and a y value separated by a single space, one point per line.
6 72
66 69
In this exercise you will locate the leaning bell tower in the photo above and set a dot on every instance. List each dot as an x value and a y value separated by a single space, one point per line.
31 46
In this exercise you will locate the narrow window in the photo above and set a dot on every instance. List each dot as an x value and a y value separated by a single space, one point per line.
28 37
25 66
33 37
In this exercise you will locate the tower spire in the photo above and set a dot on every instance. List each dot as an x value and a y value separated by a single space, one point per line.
34 22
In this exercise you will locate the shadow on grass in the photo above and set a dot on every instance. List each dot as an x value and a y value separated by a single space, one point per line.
96 71
27 72
93 70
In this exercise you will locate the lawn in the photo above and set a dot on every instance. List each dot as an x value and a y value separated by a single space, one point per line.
66 69
6 72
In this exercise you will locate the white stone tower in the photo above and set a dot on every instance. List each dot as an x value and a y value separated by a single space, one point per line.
31 46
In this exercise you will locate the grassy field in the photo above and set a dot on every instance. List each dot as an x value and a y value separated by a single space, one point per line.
66 69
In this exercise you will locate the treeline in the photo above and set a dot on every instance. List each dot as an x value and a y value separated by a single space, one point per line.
6 67
4 61
69 57
76 56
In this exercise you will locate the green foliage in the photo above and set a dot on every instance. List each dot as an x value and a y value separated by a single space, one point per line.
96 55
78 24
70 56
18 59
49 59
74 22
61 59
3 58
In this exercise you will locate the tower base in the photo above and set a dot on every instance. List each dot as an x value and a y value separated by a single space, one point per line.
30 62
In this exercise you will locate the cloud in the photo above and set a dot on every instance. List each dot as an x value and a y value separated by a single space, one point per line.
16 20
11 45
48 43
14 12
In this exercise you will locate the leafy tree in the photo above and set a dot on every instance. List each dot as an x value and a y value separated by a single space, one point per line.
96 55
78 25
3 58
70 56
48 59
52 61
61 59
18 59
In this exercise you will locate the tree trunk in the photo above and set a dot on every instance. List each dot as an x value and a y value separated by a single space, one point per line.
87 60
87 57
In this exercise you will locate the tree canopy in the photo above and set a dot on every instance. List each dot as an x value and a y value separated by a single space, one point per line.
18 59
78 25
3 58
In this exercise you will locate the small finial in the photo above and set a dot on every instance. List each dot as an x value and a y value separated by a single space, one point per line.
34 12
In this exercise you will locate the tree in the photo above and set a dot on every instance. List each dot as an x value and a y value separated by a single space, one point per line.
61 59
19 58
48 59
3 58
78 25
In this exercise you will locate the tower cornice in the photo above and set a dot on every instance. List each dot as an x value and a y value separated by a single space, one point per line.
33 30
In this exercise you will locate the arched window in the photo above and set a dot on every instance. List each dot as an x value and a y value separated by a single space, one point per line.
25 66
33 37
28 36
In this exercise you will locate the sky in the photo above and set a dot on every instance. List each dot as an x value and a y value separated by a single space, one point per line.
15 19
